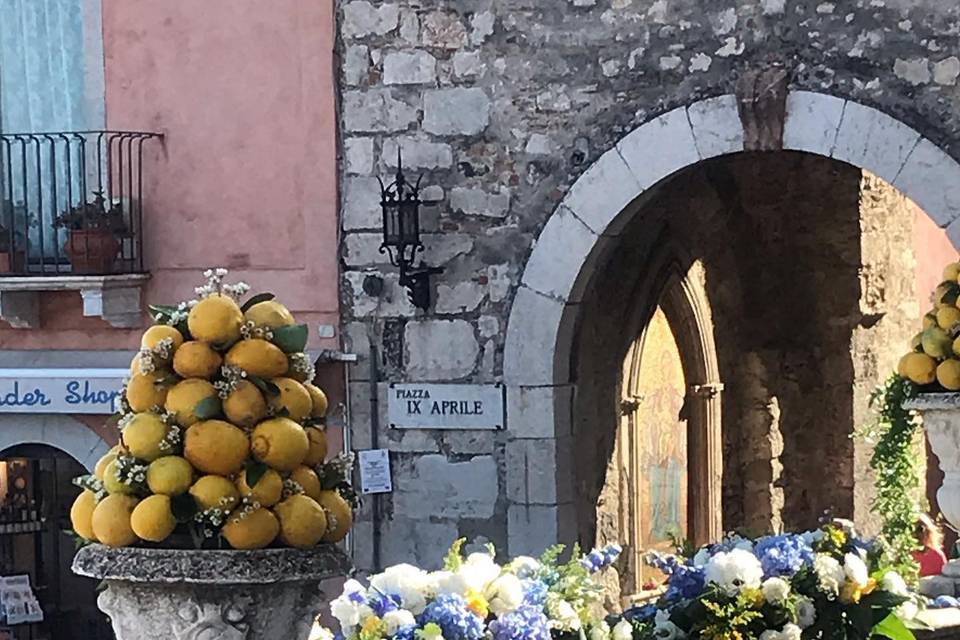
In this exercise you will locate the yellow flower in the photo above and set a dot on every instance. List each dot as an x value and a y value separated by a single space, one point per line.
837 536
372 628
850 593
871 586
477 603
753 597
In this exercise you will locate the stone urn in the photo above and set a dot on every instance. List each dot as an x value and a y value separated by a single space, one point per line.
172 594
941 421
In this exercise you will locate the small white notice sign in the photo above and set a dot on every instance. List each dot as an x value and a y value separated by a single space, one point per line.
446 406
375 471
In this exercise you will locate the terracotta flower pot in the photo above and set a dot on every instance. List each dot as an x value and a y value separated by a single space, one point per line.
92 250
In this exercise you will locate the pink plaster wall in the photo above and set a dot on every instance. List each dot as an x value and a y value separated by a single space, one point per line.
934 251
246 176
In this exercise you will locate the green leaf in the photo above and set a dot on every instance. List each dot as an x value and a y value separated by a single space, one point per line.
161 312
207 408
254 471
184 507
265 385
892 627
292 339
454 558
257 299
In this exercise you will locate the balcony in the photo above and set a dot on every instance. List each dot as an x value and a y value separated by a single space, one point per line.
71 218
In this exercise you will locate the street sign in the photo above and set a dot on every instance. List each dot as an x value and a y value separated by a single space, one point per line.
446 406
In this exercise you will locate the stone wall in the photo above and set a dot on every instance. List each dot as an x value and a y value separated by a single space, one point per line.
503 104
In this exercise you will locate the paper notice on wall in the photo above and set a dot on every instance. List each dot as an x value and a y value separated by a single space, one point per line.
18 603
375 471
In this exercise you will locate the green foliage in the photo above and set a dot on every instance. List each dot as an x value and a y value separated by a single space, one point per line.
894 463
454 558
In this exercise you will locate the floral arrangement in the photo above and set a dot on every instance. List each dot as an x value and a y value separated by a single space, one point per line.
222 435
474 598
827 583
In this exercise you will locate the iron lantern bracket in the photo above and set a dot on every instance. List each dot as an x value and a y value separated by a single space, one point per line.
417 282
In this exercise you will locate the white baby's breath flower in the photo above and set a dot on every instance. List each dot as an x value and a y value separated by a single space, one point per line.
562 615
830 573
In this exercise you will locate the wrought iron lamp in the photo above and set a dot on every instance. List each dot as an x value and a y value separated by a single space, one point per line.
400 202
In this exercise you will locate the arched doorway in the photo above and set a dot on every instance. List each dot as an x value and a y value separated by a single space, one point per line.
543 364
39 457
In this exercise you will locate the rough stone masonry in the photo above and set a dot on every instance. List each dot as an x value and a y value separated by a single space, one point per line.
502 104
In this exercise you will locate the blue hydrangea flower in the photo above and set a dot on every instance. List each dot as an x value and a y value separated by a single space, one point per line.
405 633
599 559
526 623
782 555
641 614
450 613
382 603
685 582
535 593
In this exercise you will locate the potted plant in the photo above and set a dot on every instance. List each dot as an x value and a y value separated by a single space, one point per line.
94 233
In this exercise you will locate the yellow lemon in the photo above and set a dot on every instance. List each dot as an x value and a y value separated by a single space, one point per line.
111 480
152 519
258 358
308 479
102 463
215 492
216 319
183 398
196 359
948 375
951 271
254 530
111 521
946 293
147 391
339 516
947 317
215 446
153 336
81 514
270 314
293 401
918 367
936 343
280 443
267 491
930 320
169 476
319 398
318 447
956 347
299 367
302 521
144 436
245 405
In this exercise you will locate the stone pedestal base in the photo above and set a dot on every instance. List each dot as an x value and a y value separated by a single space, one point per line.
155 594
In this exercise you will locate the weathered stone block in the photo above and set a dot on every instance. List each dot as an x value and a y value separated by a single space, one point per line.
417 154
535 471
358 155
812 121
476 201
393 300
409 67
361 204
531 529
443 30
467 63
871 139
418 541
716 125
931 178
554 272
603 191
672 137
460 297
539 412
458 111
440 349
532 357
434 487
363 18
356 65
376 111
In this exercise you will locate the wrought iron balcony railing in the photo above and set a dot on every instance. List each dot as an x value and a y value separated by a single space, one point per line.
72 202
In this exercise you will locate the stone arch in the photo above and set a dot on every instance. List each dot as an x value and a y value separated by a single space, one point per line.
58 431
536 367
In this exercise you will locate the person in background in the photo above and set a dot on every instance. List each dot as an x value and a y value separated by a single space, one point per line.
931 558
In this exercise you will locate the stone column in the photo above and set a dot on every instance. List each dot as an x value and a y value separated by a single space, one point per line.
167 594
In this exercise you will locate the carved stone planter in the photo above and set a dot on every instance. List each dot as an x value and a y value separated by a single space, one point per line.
941 421
154 594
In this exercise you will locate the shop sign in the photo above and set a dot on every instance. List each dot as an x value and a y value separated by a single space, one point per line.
91 391
446 406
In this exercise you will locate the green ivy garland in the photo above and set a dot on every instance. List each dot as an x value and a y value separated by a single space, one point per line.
896 467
